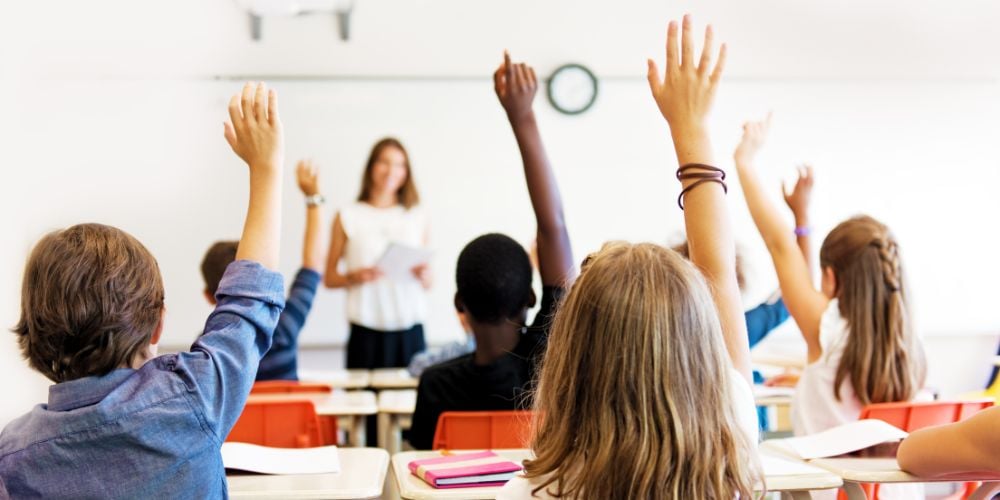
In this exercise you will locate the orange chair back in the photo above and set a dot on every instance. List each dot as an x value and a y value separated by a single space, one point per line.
473 430
287 387
280 424
914 416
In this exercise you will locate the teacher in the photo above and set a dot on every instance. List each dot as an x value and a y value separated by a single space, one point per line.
386 315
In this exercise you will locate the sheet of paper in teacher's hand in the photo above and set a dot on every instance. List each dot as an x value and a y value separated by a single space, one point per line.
398 261
268 460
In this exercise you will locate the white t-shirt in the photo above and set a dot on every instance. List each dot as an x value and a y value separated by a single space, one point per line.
814 406
746 414
383 304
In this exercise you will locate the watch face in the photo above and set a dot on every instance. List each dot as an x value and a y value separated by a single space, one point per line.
572 89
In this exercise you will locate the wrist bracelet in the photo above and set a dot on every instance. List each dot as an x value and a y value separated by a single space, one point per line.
802 230
713 174
315 200
680 199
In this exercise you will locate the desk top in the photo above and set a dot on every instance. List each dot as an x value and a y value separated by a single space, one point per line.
886 470
335 403
362 475
393 378
780 475
398 401
338 379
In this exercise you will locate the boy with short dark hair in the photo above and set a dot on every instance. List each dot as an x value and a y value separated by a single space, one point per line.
119 422
494 287
281 361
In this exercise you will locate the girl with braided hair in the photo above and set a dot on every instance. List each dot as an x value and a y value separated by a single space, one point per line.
859 337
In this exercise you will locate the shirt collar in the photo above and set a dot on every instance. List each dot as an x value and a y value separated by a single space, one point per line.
85 391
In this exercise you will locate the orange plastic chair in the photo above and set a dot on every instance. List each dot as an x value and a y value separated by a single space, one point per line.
280 424
287 387
914 416
474 430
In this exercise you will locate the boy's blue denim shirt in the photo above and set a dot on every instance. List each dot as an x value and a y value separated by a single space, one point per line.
154 432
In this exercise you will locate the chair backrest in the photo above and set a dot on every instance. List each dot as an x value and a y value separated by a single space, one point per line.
288 387
280 424
913 416
473 430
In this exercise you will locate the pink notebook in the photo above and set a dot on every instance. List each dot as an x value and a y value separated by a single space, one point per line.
463 470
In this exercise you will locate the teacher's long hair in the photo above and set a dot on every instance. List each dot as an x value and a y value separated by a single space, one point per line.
407 193
634 398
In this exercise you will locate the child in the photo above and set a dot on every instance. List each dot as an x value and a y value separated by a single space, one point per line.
281 361
637 397
971 447
119 422
860 344
494 287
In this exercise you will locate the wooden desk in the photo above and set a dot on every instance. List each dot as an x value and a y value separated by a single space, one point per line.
793 486
392 378
886 470
338 379
351 408
362 475
395 412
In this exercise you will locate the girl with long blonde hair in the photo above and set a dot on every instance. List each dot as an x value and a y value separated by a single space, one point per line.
644 388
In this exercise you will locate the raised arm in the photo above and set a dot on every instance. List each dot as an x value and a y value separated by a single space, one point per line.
798 202
313 251
255 134
684 95
516 85
805 304
971 446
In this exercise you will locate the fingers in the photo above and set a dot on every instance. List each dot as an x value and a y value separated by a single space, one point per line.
532 78
687 46
272 107
235 113
706 51
519 77
720 64
652 74
508 68
229 133
672 59
260 103
246 103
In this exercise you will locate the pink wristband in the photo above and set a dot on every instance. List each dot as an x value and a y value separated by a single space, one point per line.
802 231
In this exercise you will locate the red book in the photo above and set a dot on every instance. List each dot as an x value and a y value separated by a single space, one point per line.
463 470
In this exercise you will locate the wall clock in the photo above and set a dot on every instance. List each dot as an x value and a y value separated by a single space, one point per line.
572 89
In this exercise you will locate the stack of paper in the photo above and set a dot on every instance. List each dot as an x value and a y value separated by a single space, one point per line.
463 470
268 460
839 440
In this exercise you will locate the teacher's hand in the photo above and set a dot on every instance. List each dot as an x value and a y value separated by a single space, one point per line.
364 275
423 273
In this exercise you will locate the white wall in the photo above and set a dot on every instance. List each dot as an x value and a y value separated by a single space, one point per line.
123 101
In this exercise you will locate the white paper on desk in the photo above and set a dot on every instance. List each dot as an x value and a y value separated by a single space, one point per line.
268 460
839 440
398 261
776 466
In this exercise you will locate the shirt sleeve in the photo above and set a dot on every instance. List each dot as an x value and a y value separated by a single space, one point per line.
425 415
764 318
221 366
297 307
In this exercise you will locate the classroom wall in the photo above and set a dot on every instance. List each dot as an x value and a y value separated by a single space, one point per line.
119 105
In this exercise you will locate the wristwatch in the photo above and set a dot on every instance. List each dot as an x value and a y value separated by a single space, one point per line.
315 200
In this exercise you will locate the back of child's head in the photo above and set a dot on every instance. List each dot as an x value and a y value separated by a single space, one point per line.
741 281
634 398
494 278
91 299
217 259
883 358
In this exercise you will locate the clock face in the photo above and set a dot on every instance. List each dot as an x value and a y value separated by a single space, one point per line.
572 89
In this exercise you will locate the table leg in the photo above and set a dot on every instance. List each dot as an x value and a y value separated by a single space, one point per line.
854 491
383 432
360 435
395 434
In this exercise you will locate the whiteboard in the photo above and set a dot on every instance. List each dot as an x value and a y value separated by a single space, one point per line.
148 156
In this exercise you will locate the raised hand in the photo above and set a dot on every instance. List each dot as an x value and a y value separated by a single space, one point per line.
254 130
754 137
685 92
798 198
307 175
516 86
